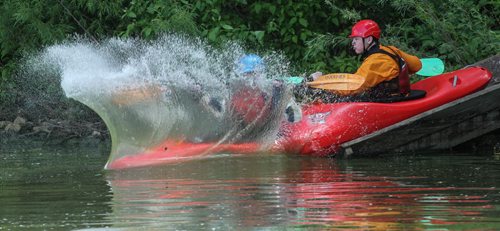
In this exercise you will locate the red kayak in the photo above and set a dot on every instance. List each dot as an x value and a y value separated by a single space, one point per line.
177 151
324 127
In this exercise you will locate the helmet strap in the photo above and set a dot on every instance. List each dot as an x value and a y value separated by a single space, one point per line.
364 50
372 43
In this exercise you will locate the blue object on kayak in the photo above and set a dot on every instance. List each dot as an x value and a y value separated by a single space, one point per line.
251 63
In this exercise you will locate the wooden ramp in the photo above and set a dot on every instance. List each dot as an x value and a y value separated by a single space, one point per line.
440 128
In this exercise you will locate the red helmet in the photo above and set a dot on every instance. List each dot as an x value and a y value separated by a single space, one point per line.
365 28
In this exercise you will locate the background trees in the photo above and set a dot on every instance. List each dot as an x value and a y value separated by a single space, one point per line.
311 33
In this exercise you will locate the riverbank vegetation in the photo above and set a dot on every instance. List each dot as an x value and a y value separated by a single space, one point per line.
312 34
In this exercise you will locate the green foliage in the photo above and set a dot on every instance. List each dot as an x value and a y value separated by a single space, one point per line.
312 34
460 32
287 26
331 53
28 25
148 19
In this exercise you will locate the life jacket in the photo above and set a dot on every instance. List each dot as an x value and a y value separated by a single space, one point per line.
396 86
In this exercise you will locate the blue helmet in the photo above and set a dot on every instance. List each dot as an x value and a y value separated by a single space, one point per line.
250 63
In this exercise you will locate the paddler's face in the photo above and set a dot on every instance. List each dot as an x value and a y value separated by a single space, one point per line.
358 46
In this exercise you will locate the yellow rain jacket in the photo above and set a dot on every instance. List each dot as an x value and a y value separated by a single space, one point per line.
378 67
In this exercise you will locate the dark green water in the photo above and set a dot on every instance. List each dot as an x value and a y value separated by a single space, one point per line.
66 188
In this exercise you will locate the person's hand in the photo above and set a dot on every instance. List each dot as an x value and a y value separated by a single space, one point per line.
277 82
315 75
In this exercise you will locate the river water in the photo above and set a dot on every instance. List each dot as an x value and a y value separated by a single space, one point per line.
64 187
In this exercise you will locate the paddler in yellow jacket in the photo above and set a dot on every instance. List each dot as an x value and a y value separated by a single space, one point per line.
386 68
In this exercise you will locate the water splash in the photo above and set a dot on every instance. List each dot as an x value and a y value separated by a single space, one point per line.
174 89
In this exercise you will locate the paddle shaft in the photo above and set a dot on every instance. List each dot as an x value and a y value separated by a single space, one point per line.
430 67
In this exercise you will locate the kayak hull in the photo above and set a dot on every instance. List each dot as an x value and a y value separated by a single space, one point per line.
178 151
324 127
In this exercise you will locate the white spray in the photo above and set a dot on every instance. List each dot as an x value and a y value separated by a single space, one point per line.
175 88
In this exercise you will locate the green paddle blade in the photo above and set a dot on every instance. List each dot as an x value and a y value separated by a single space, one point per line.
293 79
431 67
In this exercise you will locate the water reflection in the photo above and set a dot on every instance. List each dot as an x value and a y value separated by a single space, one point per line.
279 191
66 188
213 193
52 188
